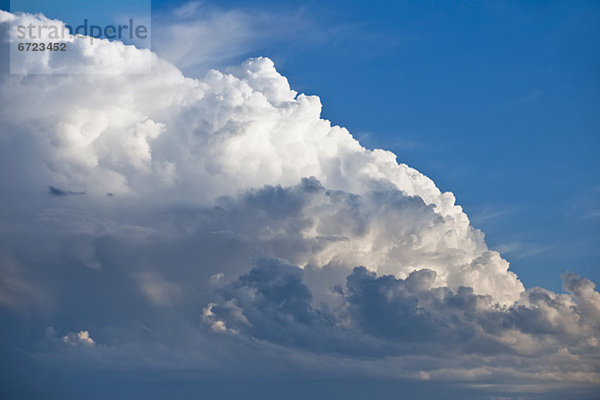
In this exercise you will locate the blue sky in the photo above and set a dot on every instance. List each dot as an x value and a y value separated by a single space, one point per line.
496 101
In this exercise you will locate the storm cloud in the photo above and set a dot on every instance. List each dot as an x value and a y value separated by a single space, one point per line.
225 224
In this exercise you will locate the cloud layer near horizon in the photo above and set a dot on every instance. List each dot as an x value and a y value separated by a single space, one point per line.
159 213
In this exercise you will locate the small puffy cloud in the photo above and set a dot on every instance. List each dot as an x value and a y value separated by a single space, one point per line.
209 317
80 338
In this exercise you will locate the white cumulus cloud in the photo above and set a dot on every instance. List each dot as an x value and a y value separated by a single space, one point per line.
225 210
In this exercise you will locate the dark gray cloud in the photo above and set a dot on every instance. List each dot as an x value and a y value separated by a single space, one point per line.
54 191
152 286
273 303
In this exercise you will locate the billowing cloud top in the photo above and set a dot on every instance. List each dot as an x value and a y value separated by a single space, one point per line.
231 206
